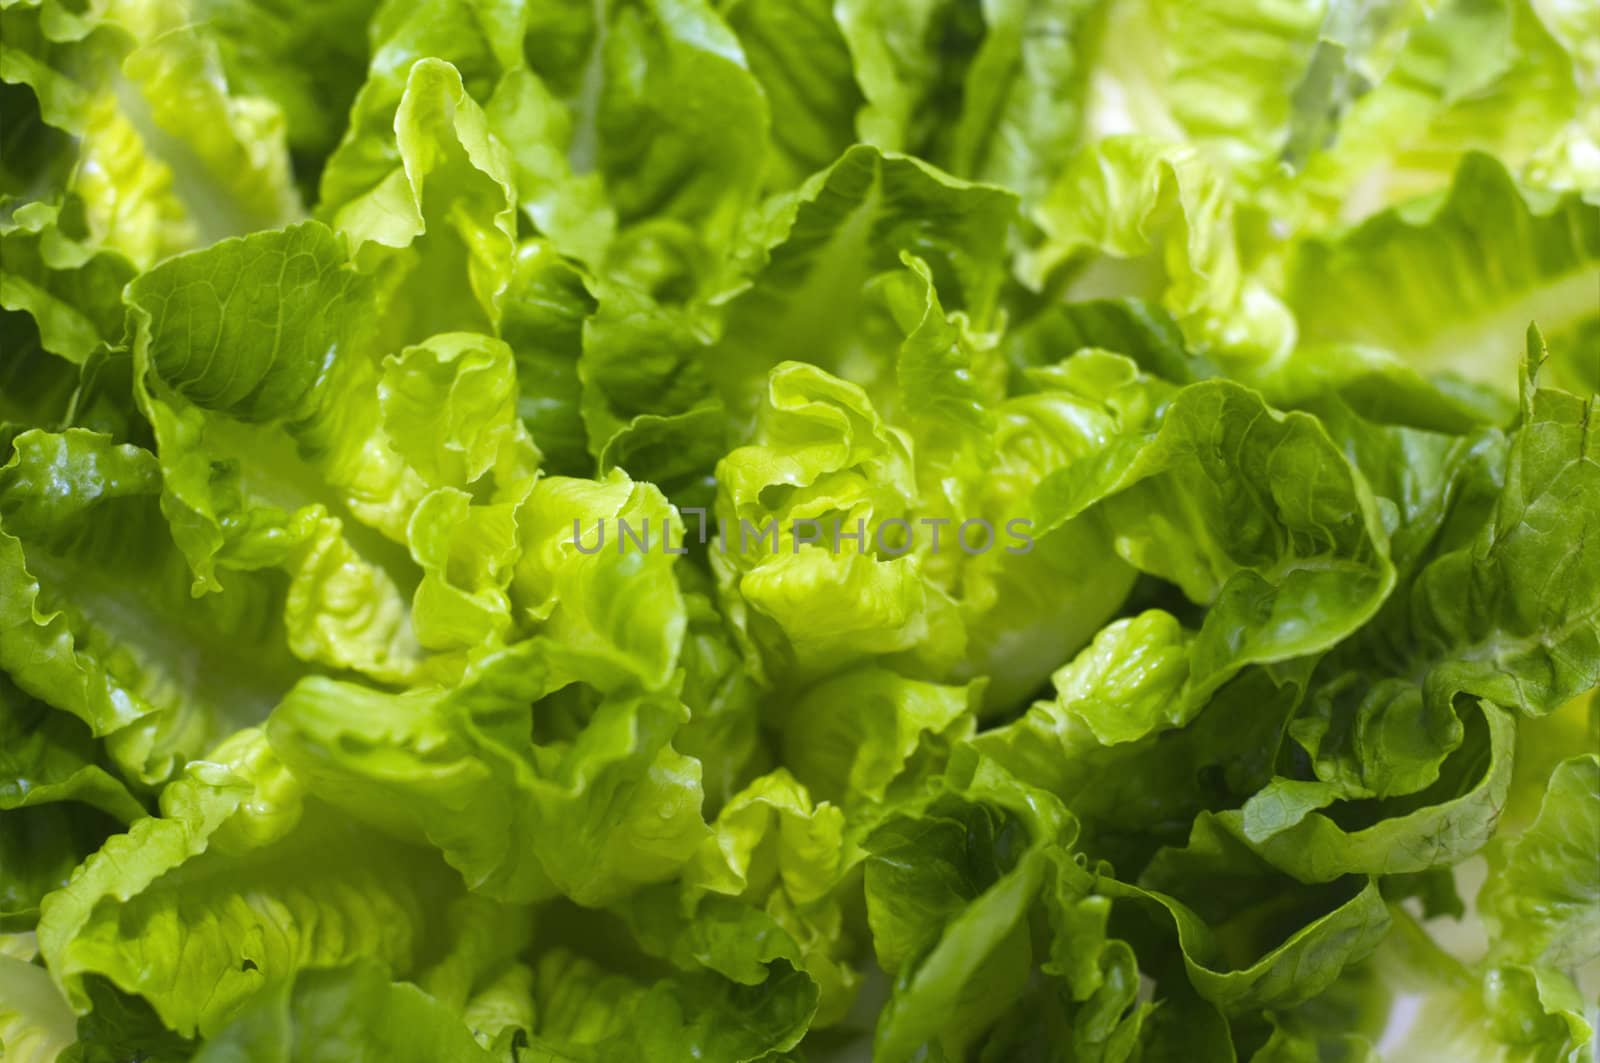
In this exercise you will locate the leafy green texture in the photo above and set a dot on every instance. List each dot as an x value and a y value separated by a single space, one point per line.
276 887
1260 519
1539 900
58 802
731 530
538 786
1511 259
345 1013
35 1023
98 605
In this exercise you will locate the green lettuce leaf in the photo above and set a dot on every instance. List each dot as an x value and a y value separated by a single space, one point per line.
434 212
950 885
1458 281
732 530
647 402
798 54
343 1013
827 467
167 157
1428 85
276 885
35 1022
992 92
58 802
588 1013
306 60
1220 76
724 731
866 735
1539 901
1154 218
1508 1013
760 891
300 430
98 602
816 295
332 471
119 1025
51 757
544 314
71 290
595 573
584 796
1448 809
1236 504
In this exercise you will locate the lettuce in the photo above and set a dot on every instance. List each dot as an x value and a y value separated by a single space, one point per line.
776 529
